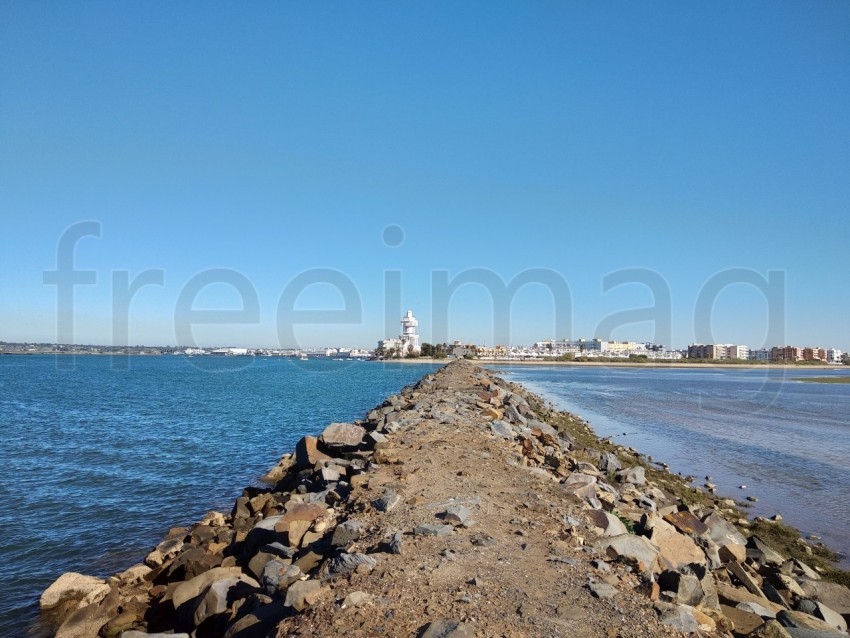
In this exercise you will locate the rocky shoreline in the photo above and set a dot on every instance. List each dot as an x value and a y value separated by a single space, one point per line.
462 506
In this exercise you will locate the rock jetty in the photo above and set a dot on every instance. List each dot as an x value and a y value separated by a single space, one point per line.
463 506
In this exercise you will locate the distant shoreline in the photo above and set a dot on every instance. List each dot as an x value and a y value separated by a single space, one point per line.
623 364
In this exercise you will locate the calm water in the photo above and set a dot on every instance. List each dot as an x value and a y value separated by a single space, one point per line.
97 462
787 441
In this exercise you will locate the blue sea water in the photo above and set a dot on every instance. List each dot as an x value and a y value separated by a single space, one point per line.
100 455
787 441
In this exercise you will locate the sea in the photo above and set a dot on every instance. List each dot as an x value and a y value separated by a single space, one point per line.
757 432
101 455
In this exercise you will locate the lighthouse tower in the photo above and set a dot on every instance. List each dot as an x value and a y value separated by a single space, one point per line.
408 337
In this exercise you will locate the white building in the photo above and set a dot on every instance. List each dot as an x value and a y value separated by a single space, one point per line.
407 341
833 355
760 355
737 352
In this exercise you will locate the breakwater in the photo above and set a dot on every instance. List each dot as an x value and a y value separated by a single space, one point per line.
461 506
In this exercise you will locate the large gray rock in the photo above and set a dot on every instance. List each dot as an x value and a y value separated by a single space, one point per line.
610 463
220 594
430 529
343 435
345 564
582 486
87 621
300 594
387 501
635 475
278 576
722 532
762 553
457 514
446 628
833 595
680 617
502 429
683 584
608 523
676 550
346 532
799 620
631 549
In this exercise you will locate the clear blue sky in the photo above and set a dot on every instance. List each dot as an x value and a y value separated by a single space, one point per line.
274 138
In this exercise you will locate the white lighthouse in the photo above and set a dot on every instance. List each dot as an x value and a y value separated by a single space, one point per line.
409 338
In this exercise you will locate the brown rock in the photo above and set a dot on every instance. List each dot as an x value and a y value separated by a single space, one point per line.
687 523
307 454
297 529
743 621
732 553
770 629
87 622
308 512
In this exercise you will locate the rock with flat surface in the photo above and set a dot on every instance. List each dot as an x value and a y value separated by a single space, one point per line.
721 531
799 620
446 628
631 549
608 523
503 430
581 485
431 529
307 454
680 617
770 629
191 589
602 590
345 564
220 594
762 553
609 462
71 587
744 621
833 595
635 475
387 501
302 594
687 523
87 621
457 514
343 435
676 550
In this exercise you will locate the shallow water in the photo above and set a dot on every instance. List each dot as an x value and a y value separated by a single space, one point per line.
99 456
787 441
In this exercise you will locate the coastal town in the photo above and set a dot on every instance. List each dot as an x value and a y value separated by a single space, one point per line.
408 345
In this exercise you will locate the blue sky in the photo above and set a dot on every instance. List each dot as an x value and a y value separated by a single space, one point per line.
273 139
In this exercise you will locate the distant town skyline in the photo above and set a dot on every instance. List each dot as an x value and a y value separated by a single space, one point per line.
302 173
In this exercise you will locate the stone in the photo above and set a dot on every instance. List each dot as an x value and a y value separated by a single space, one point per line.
278 576
345 564
343 435
220 594
356 599
609 463
755 608
799 620
87 621
71 587
687 523
732 596
430 529
680 617
762 553
722 532
635 475
446 628
732 553
346 532
608 523
746 579
770 629
503 430
675 550
637 550
376 437
744 621
307 454
191 589
300 593
833 595
830 616
491 412
602 590
457 515
581 485
396 544
296 532
684 585
307 512
387 501
142 634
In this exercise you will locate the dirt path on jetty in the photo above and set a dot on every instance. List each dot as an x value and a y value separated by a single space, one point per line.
511 570
463 506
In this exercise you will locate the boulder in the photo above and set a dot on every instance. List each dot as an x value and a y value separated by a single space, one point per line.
302 594
608 523
70 588
799 620
307 512
680 617
277 576
833 595
346 532
732 596
387 501
683 584
631 549
141 634
762 553
307 454
744 621
687 523
581 485
343 435
430 529
345 564
220 594
446 628
676 550
191 589
457 514
503 430
356 598
609 462
87 621
732 553
770 629
635 475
